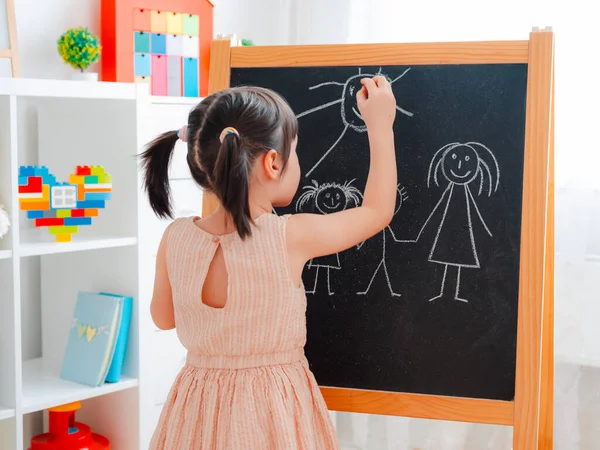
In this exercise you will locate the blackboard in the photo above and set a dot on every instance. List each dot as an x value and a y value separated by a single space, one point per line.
389 332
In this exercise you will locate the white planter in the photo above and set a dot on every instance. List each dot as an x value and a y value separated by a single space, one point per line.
84 76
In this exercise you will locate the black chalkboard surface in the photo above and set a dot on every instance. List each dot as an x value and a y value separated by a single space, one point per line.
429 305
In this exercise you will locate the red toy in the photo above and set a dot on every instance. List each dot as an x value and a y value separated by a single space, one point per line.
66 434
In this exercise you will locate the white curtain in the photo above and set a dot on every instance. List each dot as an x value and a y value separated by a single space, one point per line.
577 310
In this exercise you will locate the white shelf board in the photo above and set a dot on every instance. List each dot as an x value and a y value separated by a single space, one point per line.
5 254
30 87
42 390
164 100
6 413
35 248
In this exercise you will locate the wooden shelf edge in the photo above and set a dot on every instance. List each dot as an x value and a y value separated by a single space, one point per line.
420 406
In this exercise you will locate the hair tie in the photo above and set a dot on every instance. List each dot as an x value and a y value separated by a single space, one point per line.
183 133
226 131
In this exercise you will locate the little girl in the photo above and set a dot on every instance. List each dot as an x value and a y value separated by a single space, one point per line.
231 283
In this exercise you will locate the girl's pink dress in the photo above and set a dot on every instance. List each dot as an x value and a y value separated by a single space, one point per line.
246 384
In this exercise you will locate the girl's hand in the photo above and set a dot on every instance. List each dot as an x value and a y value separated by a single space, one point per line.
376 102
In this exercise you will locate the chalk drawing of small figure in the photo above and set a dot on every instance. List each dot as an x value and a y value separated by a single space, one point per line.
460 165
328 198
400 199
350 115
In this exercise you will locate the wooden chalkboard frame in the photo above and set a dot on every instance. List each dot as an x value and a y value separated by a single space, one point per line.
531 412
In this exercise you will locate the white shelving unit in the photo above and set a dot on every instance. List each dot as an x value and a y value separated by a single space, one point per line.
62 124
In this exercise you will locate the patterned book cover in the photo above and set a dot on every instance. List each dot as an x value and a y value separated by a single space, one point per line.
92 338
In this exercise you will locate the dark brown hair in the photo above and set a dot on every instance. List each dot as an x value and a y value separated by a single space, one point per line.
263 120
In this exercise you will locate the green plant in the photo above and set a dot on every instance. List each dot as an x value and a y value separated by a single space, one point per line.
79 48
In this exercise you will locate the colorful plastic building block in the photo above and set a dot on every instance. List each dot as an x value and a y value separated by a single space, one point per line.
63 207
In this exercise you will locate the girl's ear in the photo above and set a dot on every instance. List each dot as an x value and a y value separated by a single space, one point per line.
272 165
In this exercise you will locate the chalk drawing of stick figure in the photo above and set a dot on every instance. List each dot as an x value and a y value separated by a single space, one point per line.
328 198
400 199
350 115
461 165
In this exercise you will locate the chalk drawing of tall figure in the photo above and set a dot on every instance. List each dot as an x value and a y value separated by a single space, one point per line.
401 197
350 116
328 198
465 167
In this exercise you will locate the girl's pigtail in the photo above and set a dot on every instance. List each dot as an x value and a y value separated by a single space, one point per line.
155 165
231 180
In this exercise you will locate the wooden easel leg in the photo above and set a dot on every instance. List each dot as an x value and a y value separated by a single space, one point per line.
15 59
537 230
220 68
546 427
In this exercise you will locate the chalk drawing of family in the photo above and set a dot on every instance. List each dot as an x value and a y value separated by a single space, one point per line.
464 170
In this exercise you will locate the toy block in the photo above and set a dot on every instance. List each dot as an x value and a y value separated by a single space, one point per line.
91 212
48 179
35 214
98 195
75 221
40 171
50 213
29 206
63 229
34 185
104 187
78 213
63 213
23 181
90 204
49 222
97 170
76 179
91 179
42 196
64 196
26 171
28 198
64 237
83 170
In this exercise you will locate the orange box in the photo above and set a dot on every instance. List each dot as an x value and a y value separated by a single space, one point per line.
141 19
121 18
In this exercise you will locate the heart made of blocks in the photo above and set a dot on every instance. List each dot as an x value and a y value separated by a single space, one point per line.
63 207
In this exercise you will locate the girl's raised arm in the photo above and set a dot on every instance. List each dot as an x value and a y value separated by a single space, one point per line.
313 235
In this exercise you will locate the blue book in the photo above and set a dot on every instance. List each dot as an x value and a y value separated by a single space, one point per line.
116 366
92 338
